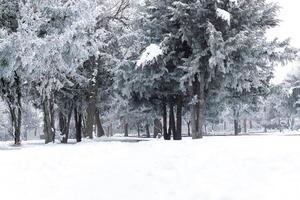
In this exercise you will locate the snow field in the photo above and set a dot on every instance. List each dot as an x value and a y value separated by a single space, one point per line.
215 168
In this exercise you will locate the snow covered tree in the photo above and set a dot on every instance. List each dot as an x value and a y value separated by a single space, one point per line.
9 15
229 48
10 67
56 37
155 77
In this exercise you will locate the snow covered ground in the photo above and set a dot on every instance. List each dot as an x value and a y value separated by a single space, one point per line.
215 168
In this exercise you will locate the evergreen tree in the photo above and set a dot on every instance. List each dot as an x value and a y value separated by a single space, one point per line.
229 48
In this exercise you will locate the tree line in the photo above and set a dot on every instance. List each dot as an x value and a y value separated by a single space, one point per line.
135 62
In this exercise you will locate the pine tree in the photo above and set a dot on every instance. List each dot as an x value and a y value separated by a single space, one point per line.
229 48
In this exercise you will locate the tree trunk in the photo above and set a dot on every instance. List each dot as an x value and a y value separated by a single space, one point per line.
148 131
265 129
26 135
18 115
178 132
265 119
198 109
52 117
111 130
18 127
172 125
65 115
100 130
68 126
157 127
91 112
49 130
84 116
279 124
199 86
78 124
165 128
245 125
13 98
126 134
189 128
237 127
62 124
138 130
13 119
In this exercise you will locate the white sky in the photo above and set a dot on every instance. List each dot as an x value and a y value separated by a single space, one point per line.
290 16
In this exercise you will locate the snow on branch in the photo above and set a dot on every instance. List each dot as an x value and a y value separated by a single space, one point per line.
151 53
223 14
231 1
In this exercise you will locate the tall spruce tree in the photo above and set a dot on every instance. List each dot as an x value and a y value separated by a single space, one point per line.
229 48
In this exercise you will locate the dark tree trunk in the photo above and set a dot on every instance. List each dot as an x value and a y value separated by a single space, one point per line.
167 136
250 124
172 125
65 120
126 131
62 123
178 132
111 130
13 119
18 126
237 126
148 130
157 127
245 125
200 84
49 131
138 130
52 117
91 112
78 124
12 95
65 139
189 128
225 125
18 115
198 109
100 130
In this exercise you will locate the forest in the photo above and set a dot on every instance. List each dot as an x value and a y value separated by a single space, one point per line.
149 99
85 69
